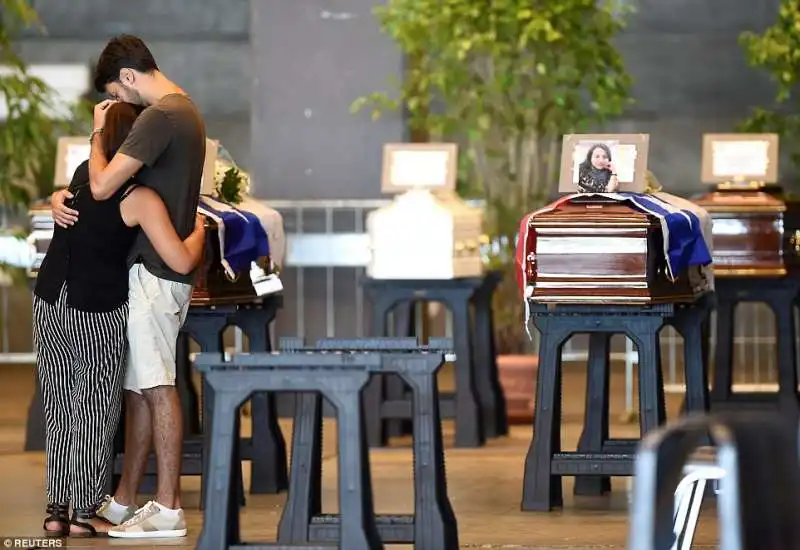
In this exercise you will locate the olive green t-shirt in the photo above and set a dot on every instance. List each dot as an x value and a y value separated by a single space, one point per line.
169 138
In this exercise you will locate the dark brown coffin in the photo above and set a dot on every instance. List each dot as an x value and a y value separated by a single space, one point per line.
212 285
756 232
601 252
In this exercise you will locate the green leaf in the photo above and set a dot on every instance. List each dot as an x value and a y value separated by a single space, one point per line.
776 51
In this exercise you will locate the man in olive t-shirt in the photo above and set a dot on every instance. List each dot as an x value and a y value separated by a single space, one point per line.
166 151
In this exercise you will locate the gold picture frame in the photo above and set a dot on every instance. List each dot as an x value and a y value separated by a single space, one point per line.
762 166
436 167
631 150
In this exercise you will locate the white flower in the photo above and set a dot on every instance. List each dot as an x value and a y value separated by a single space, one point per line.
221 167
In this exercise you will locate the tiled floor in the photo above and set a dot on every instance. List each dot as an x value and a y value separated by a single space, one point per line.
484 485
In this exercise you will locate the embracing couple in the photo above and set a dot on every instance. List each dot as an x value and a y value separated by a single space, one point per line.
110 299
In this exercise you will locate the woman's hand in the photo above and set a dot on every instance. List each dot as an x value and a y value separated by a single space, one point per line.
200 223
63 215
613 181
100 111
613 184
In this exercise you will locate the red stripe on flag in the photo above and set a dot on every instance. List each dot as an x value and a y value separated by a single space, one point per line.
526 239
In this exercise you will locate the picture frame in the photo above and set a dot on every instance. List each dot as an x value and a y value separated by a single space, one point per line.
626 153
740 158
409 166
209 167
71 151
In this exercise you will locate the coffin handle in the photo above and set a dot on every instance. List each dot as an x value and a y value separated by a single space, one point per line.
794 240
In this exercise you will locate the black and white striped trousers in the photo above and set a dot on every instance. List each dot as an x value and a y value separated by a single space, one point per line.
80 360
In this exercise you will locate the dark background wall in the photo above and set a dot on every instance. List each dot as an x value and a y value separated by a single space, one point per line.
275 80
201 44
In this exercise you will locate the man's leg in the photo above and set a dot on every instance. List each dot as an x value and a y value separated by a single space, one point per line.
158 308
168 442
138 423
138 439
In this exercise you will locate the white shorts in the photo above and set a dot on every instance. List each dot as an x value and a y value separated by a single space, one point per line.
157 310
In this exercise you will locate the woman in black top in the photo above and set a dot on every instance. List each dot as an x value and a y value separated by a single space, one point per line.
80 315
596 174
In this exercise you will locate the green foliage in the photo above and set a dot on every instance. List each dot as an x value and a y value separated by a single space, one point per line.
230 188
777 51
28 136
506 79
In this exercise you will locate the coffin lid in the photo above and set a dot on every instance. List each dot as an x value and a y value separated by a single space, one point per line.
741 202
594 213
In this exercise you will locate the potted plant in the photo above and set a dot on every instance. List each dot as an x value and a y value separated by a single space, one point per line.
506 79
775 50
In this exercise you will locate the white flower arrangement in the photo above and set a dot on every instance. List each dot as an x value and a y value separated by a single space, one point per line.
231 184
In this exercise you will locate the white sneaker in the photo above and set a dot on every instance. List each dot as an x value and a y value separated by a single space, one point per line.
152 521
114 512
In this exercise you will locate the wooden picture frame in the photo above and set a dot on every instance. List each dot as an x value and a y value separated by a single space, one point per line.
70 153
761 167
436 167
631 150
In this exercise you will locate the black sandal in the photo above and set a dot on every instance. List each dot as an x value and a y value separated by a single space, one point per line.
57 513
80 519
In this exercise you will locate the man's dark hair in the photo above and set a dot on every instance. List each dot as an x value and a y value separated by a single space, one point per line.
122 52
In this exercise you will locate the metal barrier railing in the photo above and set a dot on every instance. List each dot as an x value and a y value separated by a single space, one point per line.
330 235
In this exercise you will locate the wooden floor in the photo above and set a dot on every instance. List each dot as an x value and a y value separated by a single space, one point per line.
484 485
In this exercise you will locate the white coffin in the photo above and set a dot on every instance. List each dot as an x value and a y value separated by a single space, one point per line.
425 236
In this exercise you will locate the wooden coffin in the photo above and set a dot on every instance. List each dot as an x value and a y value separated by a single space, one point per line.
212 285
602 252
756 231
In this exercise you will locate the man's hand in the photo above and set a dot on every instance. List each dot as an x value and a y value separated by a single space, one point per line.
100 113
200 223
63 216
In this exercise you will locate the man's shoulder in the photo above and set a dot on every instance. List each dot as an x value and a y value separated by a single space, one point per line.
175 103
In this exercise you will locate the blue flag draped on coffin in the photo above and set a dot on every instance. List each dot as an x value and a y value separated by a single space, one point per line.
242 238
684 242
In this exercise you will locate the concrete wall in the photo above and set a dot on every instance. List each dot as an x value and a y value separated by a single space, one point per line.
691 78
203 45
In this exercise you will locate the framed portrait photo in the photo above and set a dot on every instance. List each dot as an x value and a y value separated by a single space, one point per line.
740 158
604 163
409 166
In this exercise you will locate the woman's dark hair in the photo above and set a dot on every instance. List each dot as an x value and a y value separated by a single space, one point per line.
119 121
122 52
587 164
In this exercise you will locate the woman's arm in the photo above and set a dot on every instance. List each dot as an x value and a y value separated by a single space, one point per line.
144 207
